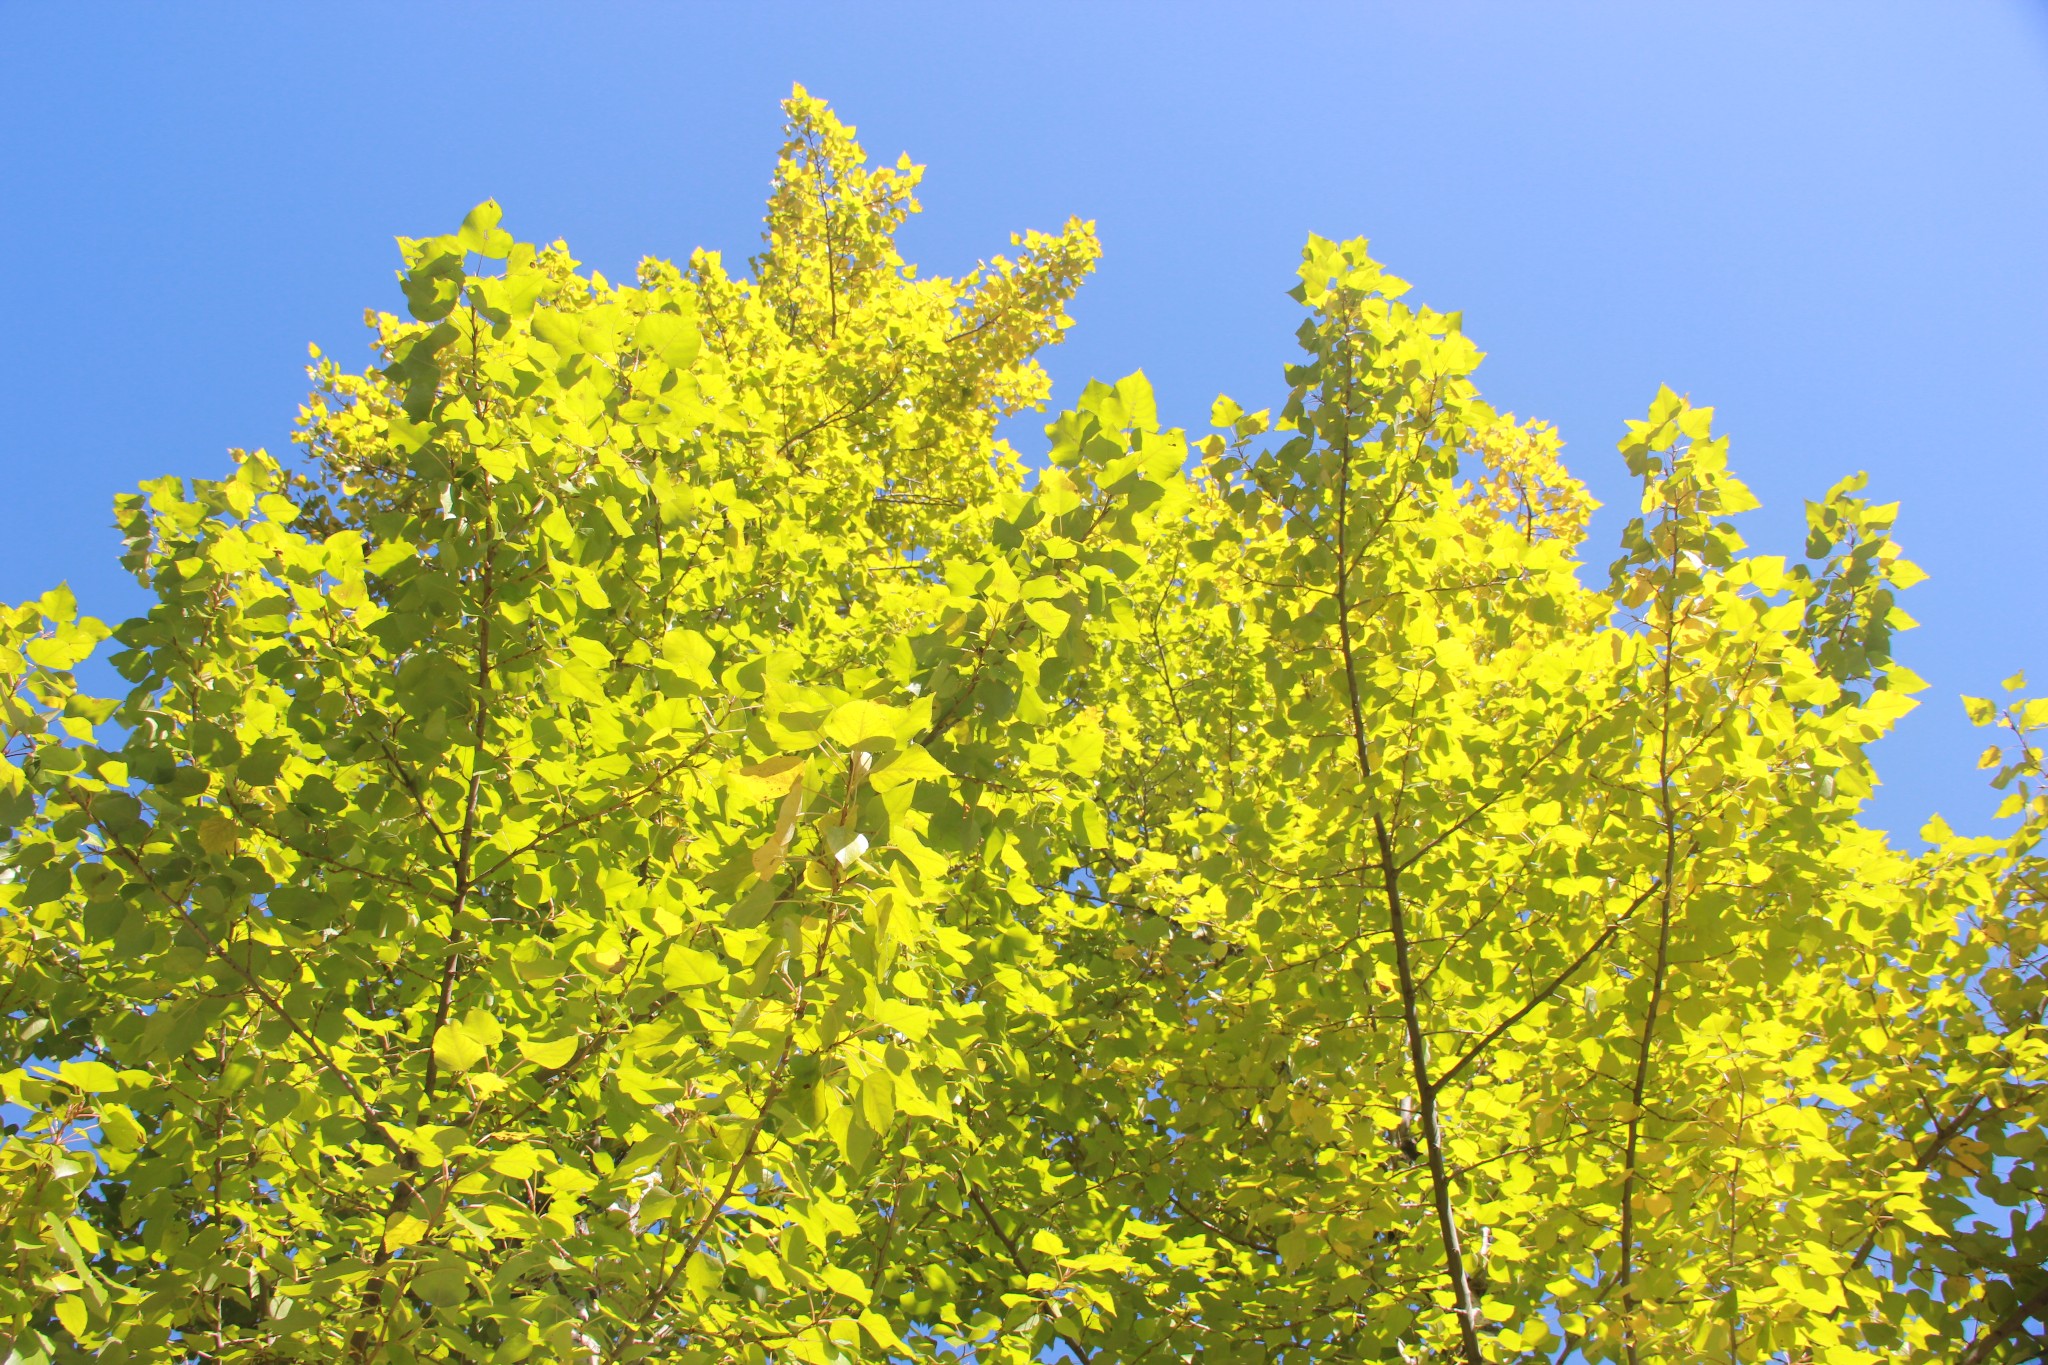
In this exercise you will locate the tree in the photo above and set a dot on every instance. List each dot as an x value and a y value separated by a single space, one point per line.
660 837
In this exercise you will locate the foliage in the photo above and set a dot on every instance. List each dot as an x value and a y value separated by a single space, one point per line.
660 838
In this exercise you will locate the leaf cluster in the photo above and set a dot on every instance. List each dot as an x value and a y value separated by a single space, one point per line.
658 837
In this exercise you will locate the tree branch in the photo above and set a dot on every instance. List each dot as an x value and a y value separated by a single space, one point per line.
1557 983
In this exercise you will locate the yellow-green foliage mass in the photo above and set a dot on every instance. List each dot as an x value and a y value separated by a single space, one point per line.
657 837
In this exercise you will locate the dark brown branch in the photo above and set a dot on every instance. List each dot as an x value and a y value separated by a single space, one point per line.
1614 926
1998 1333
1390 880
1017 1259
1640 1085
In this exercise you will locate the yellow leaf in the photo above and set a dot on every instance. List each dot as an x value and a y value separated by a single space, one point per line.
549 1055
912 763
767 779
568 1180
646 1086
511 1222
884 1335
842 1281
487 1031
690 655
912 1021
684 967
68 646
455 1048
92 1077
403 1230
71 1312
1047 617
516 1163
868 724
768 857
497 462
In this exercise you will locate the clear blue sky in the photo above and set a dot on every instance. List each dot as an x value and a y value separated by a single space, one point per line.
1828 219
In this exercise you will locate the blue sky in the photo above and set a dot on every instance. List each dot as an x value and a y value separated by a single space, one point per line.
1830 220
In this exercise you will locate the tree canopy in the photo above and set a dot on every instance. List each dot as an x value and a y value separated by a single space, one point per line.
657 836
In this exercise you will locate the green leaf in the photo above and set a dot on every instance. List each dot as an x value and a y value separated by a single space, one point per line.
118 1125
444 1286
878 1100
433 287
